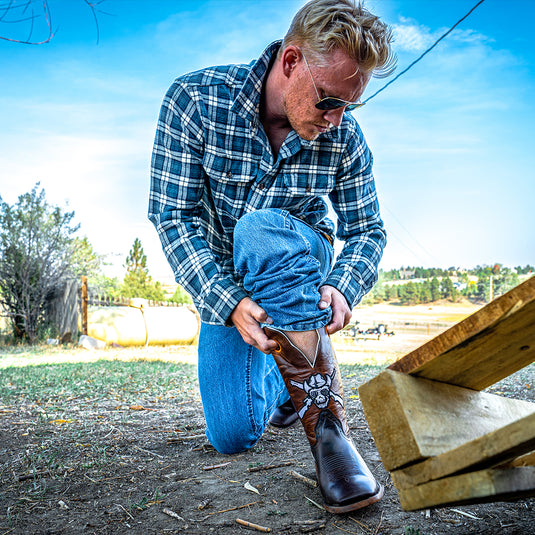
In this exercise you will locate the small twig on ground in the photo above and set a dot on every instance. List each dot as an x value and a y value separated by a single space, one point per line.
168 512
307 526
149 452
269 466
234 508
171 440
363 526
252 526
32 475
315 503
465 514
303 479
379 525
214 466
119 505
342 529
204 504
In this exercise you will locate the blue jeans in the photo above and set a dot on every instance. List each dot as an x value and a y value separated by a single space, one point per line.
283 262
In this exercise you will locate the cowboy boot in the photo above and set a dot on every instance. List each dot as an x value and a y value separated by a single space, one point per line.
284 415
315 388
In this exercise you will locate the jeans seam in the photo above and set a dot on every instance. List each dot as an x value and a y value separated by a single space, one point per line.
248 381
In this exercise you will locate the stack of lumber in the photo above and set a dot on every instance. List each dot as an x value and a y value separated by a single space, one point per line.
445 441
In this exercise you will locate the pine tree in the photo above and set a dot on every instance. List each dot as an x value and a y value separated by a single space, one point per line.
137 281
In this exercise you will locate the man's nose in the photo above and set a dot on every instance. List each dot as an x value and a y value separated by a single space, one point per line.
334 116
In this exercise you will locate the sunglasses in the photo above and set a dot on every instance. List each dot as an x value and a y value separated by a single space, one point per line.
331 103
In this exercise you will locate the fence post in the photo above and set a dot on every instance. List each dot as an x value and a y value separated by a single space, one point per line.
84 305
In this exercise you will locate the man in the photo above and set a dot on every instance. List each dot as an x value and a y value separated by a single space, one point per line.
242 158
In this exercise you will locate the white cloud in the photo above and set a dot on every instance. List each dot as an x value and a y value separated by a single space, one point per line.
411 36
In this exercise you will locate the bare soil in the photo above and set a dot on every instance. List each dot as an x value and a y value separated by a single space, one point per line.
111 468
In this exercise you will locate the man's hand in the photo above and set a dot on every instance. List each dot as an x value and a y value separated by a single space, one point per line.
247 317
340 308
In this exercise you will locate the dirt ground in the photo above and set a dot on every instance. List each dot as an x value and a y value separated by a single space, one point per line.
105 468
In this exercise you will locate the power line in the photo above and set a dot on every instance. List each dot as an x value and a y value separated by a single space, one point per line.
424 249
426 52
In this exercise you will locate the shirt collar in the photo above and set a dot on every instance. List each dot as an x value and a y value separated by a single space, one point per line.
247 103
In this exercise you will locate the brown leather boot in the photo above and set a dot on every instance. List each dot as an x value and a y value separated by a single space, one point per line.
315 387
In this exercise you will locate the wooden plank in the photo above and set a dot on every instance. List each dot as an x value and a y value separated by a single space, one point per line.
412 418
487 451
475 487
484 348
524 460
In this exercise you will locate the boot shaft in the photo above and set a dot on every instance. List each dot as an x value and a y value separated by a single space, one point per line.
313 382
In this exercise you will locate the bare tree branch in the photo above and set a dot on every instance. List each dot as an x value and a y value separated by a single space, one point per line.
13 14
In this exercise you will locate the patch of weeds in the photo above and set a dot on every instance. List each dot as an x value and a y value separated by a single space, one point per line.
276 513
138 506
37 488
409 530
12 517
145 502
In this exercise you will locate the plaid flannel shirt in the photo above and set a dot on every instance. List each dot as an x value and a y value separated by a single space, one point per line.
212 163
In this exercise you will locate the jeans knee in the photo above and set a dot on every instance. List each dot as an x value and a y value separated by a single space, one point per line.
229 439
256 226
257 237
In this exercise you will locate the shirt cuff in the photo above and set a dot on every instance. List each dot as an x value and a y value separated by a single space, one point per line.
345 284
221 301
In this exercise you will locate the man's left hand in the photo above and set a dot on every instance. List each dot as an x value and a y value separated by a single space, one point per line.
330 296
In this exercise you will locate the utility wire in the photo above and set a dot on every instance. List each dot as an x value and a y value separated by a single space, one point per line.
410 235
426 52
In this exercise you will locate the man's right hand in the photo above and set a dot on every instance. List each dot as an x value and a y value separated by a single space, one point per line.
247 317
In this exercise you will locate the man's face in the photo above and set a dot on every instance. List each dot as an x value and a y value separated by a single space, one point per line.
336 79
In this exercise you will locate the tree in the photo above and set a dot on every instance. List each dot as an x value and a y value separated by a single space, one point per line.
85 261
435 289
181 296
137 281
36 250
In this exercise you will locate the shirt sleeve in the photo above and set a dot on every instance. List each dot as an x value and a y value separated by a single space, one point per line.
360 227
175 202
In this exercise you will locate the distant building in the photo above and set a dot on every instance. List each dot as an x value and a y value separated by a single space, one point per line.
407 274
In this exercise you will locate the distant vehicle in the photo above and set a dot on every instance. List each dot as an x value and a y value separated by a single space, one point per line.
353 330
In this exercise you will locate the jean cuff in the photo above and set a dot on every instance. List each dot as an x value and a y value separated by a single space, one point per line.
303 326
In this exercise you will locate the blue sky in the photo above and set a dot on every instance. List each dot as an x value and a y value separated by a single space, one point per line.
452 138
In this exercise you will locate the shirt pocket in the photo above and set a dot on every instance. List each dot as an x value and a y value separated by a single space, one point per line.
230 182
308 184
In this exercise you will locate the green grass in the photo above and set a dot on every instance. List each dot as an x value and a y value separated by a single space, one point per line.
56 375
123 381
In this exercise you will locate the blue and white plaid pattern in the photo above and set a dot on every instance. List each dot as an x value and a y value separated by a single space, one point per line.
212 163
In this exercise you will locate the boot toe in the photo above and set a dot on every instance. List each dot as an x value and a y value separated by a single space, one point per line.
362 495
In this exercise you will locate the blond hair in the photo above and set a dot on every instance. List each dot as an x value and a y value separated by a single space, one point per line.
322 26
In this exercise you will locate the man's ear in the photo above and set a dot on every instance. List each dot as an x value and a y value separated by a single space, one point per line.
290 57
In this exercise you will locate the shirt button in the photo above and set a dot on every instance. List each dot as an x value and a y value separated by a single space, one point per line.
308 189
261 186
229 174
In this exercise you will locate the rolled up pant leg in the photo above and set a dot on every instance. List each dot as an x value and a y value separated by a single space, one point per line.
283 262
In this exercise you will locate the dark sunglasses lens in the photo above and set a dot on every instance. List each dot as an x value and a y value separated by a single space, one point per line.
330 103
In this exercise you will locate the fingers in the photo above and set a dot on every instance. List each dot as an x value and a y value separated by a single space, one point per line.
259 314
247 317
341 312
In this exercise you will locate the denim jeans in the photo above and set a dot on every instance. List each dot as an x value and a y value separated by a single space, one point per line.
283 262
